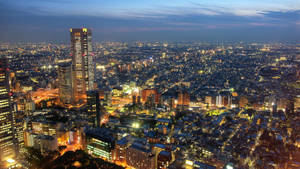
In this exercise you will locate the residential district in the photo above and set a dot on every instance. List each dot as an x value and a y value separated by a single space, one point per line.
149 105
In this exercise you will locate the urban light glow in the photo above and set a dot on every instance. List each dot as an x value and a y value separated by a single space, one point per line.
181 96
188 162
229 166
135 125
10 160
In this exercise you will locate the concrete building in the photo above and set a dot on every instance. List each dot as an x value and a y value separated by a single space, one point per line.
140 157
45 143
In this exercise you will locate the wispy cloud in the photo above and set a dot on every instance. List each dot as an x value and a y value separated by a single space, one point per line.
155 9
247 12
155 17
150 29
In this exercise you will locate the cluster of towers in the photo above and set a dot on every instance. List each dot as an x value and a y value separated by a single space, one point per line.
76 85
76 78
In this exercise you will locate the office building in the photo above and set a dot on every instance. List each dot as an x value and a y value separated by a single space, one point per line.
82 62
150 95
7 137
19 135
45 143
219 101
120 150
140 156
65 83
48 128
164 159
183 99
105 96
290 107
100 143
93 107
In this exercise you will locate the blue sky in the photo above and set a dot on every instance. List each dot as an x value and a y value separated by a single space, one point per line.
131 20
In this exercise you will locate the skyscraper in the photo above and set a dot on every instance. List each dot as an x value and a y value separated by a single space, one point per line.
150 93
65 83
82 62
183 99
93 107
7 139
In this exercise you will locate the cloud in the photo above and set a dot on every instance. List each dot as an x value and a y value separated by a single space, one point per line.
150 29
155 9
43 19
206 25
241 12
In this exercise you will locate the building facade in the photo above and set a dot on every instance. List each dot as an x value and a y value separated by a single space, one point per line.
120 150
164 159
65 83
93 107
100 143
82 62
149 93
183 99
140 157
7 137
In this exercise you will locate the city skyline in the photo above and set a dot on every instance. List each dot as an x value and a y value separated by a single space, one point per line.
154 105
149 21
150 84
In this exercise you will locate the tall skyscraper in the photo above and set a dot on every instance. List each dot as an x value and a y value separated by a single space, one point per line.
7 139
65 83
82 62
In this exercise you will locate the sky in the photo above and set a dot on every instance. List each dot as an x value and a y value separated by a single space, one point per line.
151 20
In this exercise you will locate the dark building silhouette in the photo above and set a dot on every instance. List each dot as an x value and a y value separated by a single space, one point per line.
93 107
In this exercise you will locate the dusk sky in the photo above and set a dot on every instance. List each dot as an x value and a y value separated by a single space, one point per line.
133 20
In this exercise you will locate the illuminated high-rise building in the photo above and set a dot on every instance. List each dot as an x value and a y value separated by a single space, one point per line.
82 62
7 139
183 99
65 83
219 101
19 135
150 94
